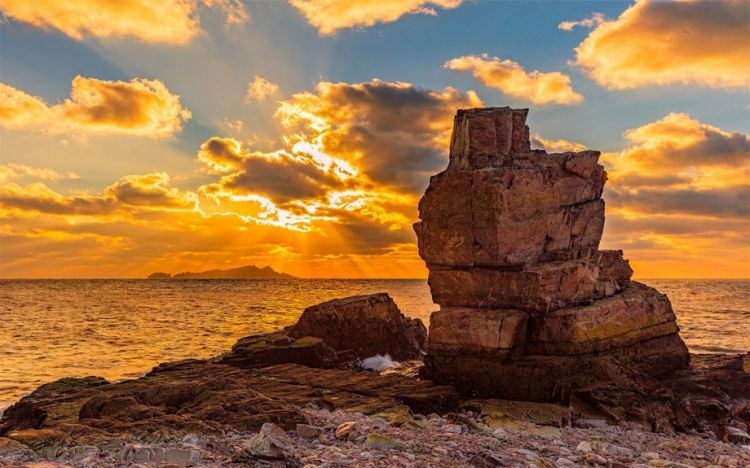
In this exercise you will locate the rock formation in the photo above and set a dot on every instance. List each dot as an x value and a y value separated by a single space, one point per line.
368 325
529 305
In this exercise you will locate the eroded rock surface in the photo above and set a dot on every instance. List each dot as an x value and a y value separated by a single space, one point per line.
367 325
530 307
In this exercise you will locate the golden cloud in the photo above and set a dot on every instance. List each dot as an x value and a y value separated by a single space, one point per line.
594 20
151 21
328 16
138 107
393 133
678 199
260 89
147 192
13 171
510 78
660 43
681 184
351 151
172 22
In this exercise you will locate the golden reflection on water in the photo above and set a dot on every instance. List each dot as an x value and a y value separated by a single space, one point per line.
119 329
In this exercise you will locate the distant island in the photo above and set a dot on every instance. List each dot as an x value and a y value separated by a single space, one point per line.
244 272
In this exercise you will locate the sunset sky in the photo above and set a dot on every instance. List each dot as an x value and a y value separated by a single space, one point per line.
173 135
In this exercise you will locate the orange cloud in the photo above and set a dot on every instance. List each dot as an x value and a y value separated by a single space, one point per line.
594 20
354 154
260 89
13 171
393 133
510 78
678 199
151 21
328 16
660 43
138 107
148 191
172 22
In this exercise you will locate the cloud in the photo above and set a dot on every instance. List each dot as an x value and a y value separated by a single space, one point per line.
234 10
680 165
510 78
139 107
171 22
555 146
328 16
661 43
147 191
594 20
152 21
394 133
354 155
678 199
13 171
260 89
680 145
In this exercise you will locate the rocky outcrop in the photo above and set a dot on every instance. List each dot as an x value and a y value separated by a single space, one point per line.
529 305
336 334
367 325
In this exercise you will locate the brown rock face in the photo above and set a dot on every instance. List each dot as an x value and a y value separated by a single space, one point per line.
528 301
367 325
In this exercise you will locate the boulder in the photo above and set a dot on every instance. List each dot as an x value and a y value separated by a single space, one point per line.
533 209
368 325
278 348
541 287
530 308
493 333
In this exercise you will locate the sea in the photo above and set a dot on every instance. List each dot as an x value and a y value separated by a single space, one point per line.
120 329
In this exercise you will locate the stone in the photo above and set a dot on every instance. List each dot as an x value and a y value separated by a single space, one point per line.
368 325
637 314
344 430
278 348
530 308
736 436
378 441
481 135
309 432
486 331
155 455
594 459
271 442
540 288
11 450
584 447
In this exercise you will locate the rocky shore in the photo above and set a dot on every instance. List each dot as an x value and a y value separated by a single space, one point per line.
530 309
280 400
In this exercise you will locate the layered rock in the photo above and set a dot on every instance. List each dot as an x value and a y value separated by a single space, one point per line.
368 325
527 300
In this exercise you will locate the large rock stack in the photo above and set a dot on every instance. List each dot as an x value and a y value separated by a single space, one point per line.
529 306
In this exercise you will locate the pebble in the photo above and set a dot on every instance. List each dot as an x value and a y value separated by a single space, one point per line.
583 447
344 429
595 459
308 431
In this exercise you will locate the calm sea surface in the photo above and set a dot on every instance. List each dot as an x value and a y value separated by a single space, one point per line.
119 329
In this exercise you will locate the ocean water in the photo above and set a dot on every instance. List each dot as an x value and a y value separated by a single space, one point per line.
120 329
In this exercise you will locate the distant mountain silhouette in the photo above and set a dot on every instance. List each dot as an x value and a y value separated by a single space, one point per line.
244 272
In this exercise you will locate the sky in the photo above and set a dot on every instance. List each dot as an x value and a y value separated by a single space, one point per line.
184 135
